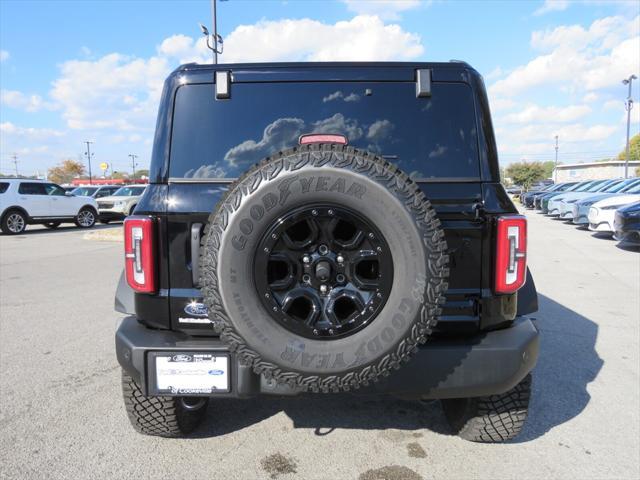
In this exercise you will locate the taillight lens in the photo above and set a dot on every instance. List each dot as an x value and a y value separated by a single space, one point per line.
139 253
511 253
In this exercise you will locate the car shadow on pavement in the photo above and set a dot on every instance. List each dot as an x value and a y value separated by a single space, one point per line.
567 364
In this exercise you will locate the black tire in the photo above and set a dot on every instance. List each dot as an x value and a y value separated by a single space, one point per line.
347 178
86 217
52 225
14 222
491 419
162 416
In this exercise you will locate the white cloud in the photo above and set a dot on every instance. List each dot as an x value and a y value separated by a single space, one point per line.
552 6
386 9
590 97
114 92
9 129
4 55
361 38
18 100
536 114
613 105
577 58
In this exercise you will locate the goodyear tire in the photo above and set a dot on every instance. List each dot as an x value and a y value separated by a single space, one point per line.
342 178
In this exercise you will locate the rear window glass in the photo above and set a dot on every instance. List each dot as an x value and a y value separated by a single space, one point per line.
426 137
32 189
4 186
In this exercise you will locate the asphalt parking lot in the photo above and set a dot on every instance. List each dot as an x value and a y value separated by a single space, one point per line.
62 414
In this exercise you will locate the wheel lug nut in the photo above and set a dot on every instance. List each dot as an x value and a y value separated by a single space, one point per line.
323 289
266 295
314 212
266 249
340 259
315 331
330 212
331 331
306 259
371 235
379 249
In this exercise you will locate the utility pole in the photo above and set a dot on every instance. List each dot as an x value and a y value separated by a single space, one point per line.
555 169
15 162
89 155
628 105
133 164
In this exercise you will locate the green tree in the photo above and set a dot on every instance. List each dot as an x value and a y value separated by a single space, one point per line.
548 168
66 171
119 175
634 149
142 173
526 173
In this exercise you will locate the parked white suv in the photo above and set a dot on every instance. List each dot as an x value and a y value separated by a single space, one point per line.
25 201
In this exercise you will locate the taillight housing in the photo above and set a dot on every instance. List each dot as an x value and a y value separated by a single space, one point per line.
511 253
139 253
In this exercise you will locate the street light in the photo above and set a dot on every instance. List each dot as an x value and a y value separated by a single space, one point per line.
133 165
628 105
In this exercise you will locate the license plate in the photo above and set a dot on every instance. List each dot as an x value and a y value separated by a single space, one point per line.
191 373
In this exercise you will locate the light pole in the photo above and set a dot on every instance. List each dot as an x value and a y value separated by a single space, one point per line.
133 164
89 155
555 168
217 39
628 105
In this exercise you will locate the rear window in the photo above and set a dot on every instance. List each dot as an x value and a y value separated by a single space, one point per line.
426 137
4 186
32 189
84 191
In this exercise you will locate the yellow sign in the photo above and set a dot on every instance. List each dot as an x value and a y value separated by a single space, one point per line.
104 166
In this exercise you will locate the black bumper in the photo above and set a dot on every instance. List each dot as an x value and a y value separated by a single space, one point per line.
110 216
486 364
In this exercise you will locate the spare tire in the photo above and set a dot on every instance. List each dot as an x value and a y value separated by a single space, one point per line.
324 267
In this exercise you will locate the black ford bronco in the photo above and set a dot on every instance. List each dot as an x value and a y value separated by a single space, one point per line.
326 227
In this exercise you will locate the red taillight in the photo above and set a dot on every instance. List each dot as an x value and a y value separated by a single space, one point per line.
139 253
322 138
511 253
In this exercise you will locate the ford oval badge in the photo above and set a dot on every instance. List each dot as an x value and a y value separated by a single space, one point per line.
196 309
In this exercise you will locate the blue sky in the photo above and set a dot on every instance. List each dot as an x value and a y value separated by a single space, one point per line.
74 71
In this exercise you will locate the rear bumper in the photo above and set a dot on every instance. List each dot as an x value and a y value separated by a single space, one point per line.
111 215
486 364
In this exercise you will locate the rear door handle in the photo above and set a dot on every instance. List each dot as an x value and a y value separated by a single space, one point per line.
195 253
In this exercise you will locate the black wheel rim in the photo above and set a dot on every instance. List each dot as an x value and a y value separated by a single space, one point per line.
323 271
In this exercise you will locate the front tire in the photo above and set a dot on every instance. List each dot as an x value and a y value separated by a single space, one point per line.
14 223
86 217
169 417
491 419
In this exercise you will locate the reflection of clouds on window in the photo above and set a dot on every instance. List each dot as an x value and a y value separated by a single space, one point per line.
333 96
438 151
462 134
339 124
205 171
379 130
352 97
278 135
427 107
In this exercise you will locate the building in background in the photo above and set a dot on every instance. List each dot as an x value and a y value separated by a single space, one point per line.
593 170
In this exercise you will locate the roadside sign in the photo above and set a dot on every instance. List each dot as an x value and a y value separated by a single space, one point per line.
104 166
